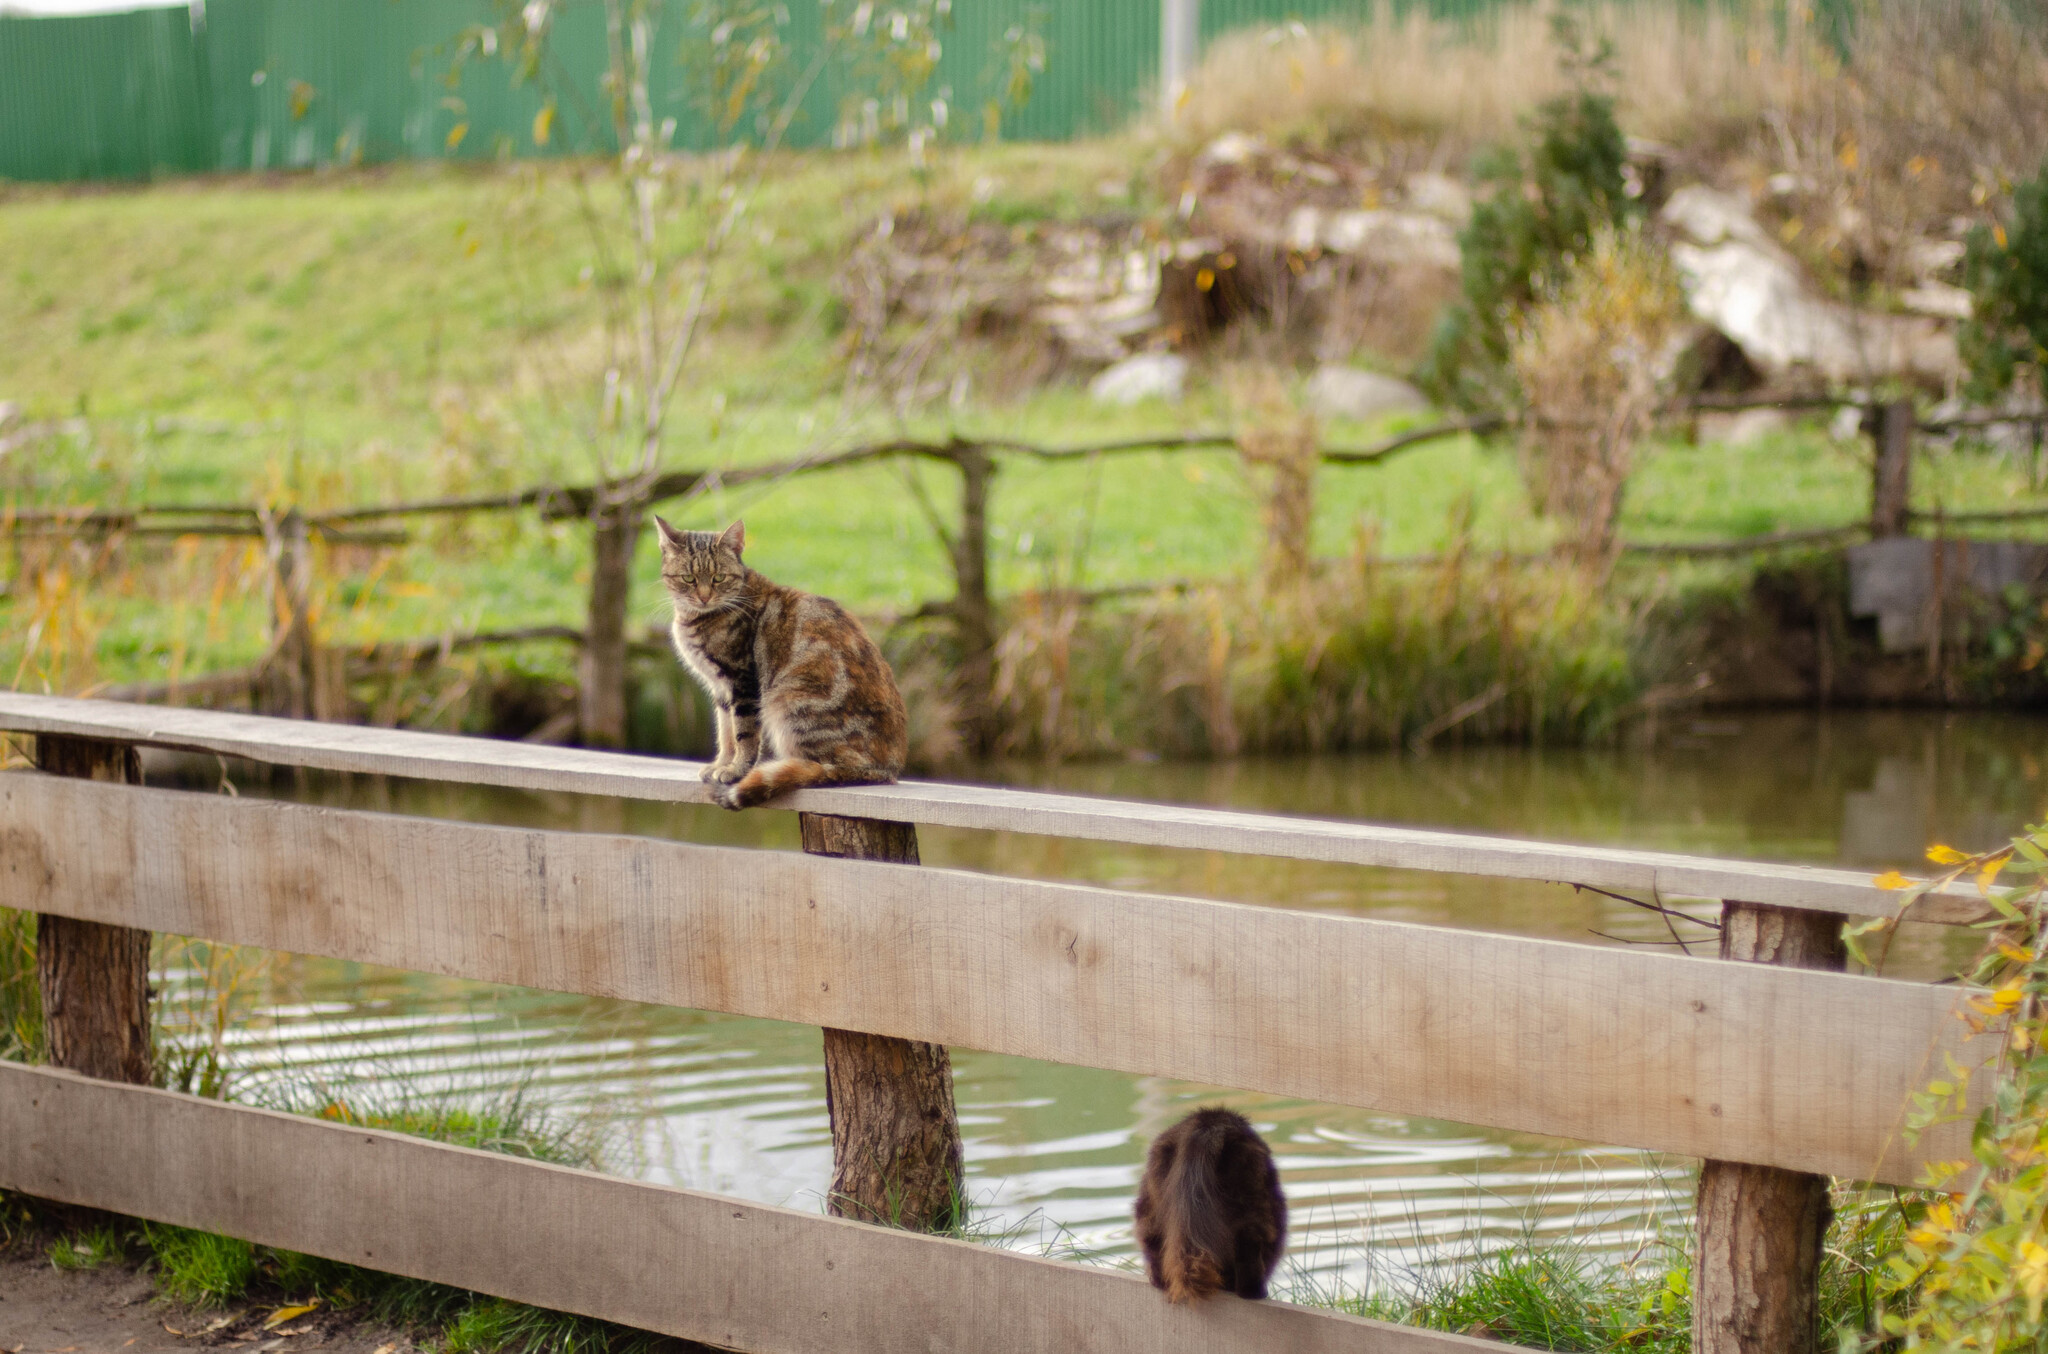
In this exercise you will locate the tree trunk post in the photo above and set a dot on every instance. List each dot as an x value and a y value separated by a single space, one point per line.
1755 1286
1892 476
615 531
895 1133
288 679
973 613
94 978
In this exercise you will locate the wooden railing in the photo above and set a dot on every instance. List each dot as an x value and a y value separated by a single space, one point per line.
1773 1073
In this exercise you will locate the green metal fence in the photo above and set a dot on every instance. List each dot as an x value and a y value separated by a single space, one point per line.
282 84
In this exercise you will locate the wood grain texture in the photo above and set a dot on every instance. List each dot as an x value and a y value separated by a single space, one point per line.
896 1153
1736 1062
94 978
1760 1230
725 1271
481 761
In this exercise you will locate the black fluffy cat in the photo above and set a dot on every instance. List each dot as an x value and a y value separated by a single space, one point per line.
1211 1215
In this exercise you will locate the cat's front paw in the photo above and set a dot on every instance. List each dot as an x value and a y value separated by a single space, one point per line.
725 775
726 797
714 774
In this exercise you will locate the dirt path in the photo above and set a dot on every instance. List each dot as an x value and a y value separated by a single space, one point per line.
114 1310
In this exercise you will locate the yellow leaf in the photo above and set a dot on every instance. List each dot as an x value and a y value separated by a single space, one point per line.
284 1314
1998 234
2015 953
1945 855
543 125
1892 879
456 133
1989 873
2007 997
1848 156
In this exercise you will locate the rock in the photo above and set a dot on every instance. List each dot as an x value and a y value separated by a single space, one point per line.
1937 298
1147 376
1441 196
1347 392
1395 239
1932 258
1739 280
1743 427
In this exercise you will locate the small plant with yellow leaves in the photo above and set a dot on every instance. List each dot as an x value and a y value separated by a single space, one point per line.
1971 1271
1591 358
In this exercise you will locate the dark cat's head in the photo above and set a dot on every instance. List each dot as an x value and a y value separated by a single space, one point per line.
702 569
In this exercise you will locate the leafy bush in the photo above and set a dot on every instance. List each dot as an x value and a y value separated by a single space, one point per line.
2006 271
1971 1272
1537 211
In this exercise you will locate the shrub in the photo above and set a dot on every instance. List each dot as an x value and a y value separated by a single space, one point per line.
1971 1272
2006 270
1590 360
1538 210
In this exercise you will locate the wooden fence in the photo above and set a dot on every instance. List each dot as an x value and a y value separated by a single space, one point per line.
1776 1075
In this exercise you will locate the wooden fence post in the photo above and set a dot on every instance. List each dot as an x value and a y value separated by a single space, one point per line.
973 613
601 675
1757 1269
1892 475
287 679
895 1133
94 977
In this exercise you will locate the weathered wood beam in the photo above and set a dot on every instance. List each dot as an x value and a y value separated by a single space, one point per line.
1732 1062
483 761
729 1272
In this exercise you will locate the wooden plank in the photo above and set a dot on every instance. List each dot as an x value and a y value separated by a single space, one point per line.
482 761
725 1271
1737 1062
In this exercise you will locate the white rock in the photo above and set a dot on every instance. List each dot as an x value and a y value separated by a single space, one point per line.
1393 239
1233 148
1441 196
1147 376
1740 281
1347 392
1938 298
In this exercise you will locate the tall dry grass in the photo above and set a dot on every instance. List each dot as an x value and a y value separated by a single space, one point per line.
1591 359
1281 447
1356 656
1886 124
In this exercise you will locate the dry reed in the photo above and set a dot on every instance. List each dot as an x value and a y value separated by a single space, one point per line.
1591 359
1356 656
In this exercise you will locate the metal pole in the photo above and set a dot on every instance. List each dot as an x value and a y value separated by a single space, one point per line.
1180 23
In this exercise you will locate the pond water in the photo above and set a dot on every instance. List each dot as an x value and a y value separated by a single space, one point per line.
1054 1152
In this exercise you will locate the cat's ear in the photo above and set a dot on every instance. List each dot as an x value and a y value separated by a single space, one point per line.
734 537
670 537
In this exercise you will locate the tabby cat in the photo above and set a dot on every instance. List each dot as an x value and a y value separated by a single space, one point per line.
1211 1216
784 668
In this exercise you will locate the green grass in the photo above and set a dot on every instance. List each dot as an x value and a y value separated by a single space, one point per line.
361 337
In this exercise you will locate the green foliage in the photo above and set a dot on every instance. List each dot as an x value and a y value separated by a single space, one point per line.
2006 271
1970 1271
1538 209
21 1001
200 1269
88 1249
494 1326
1356 657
